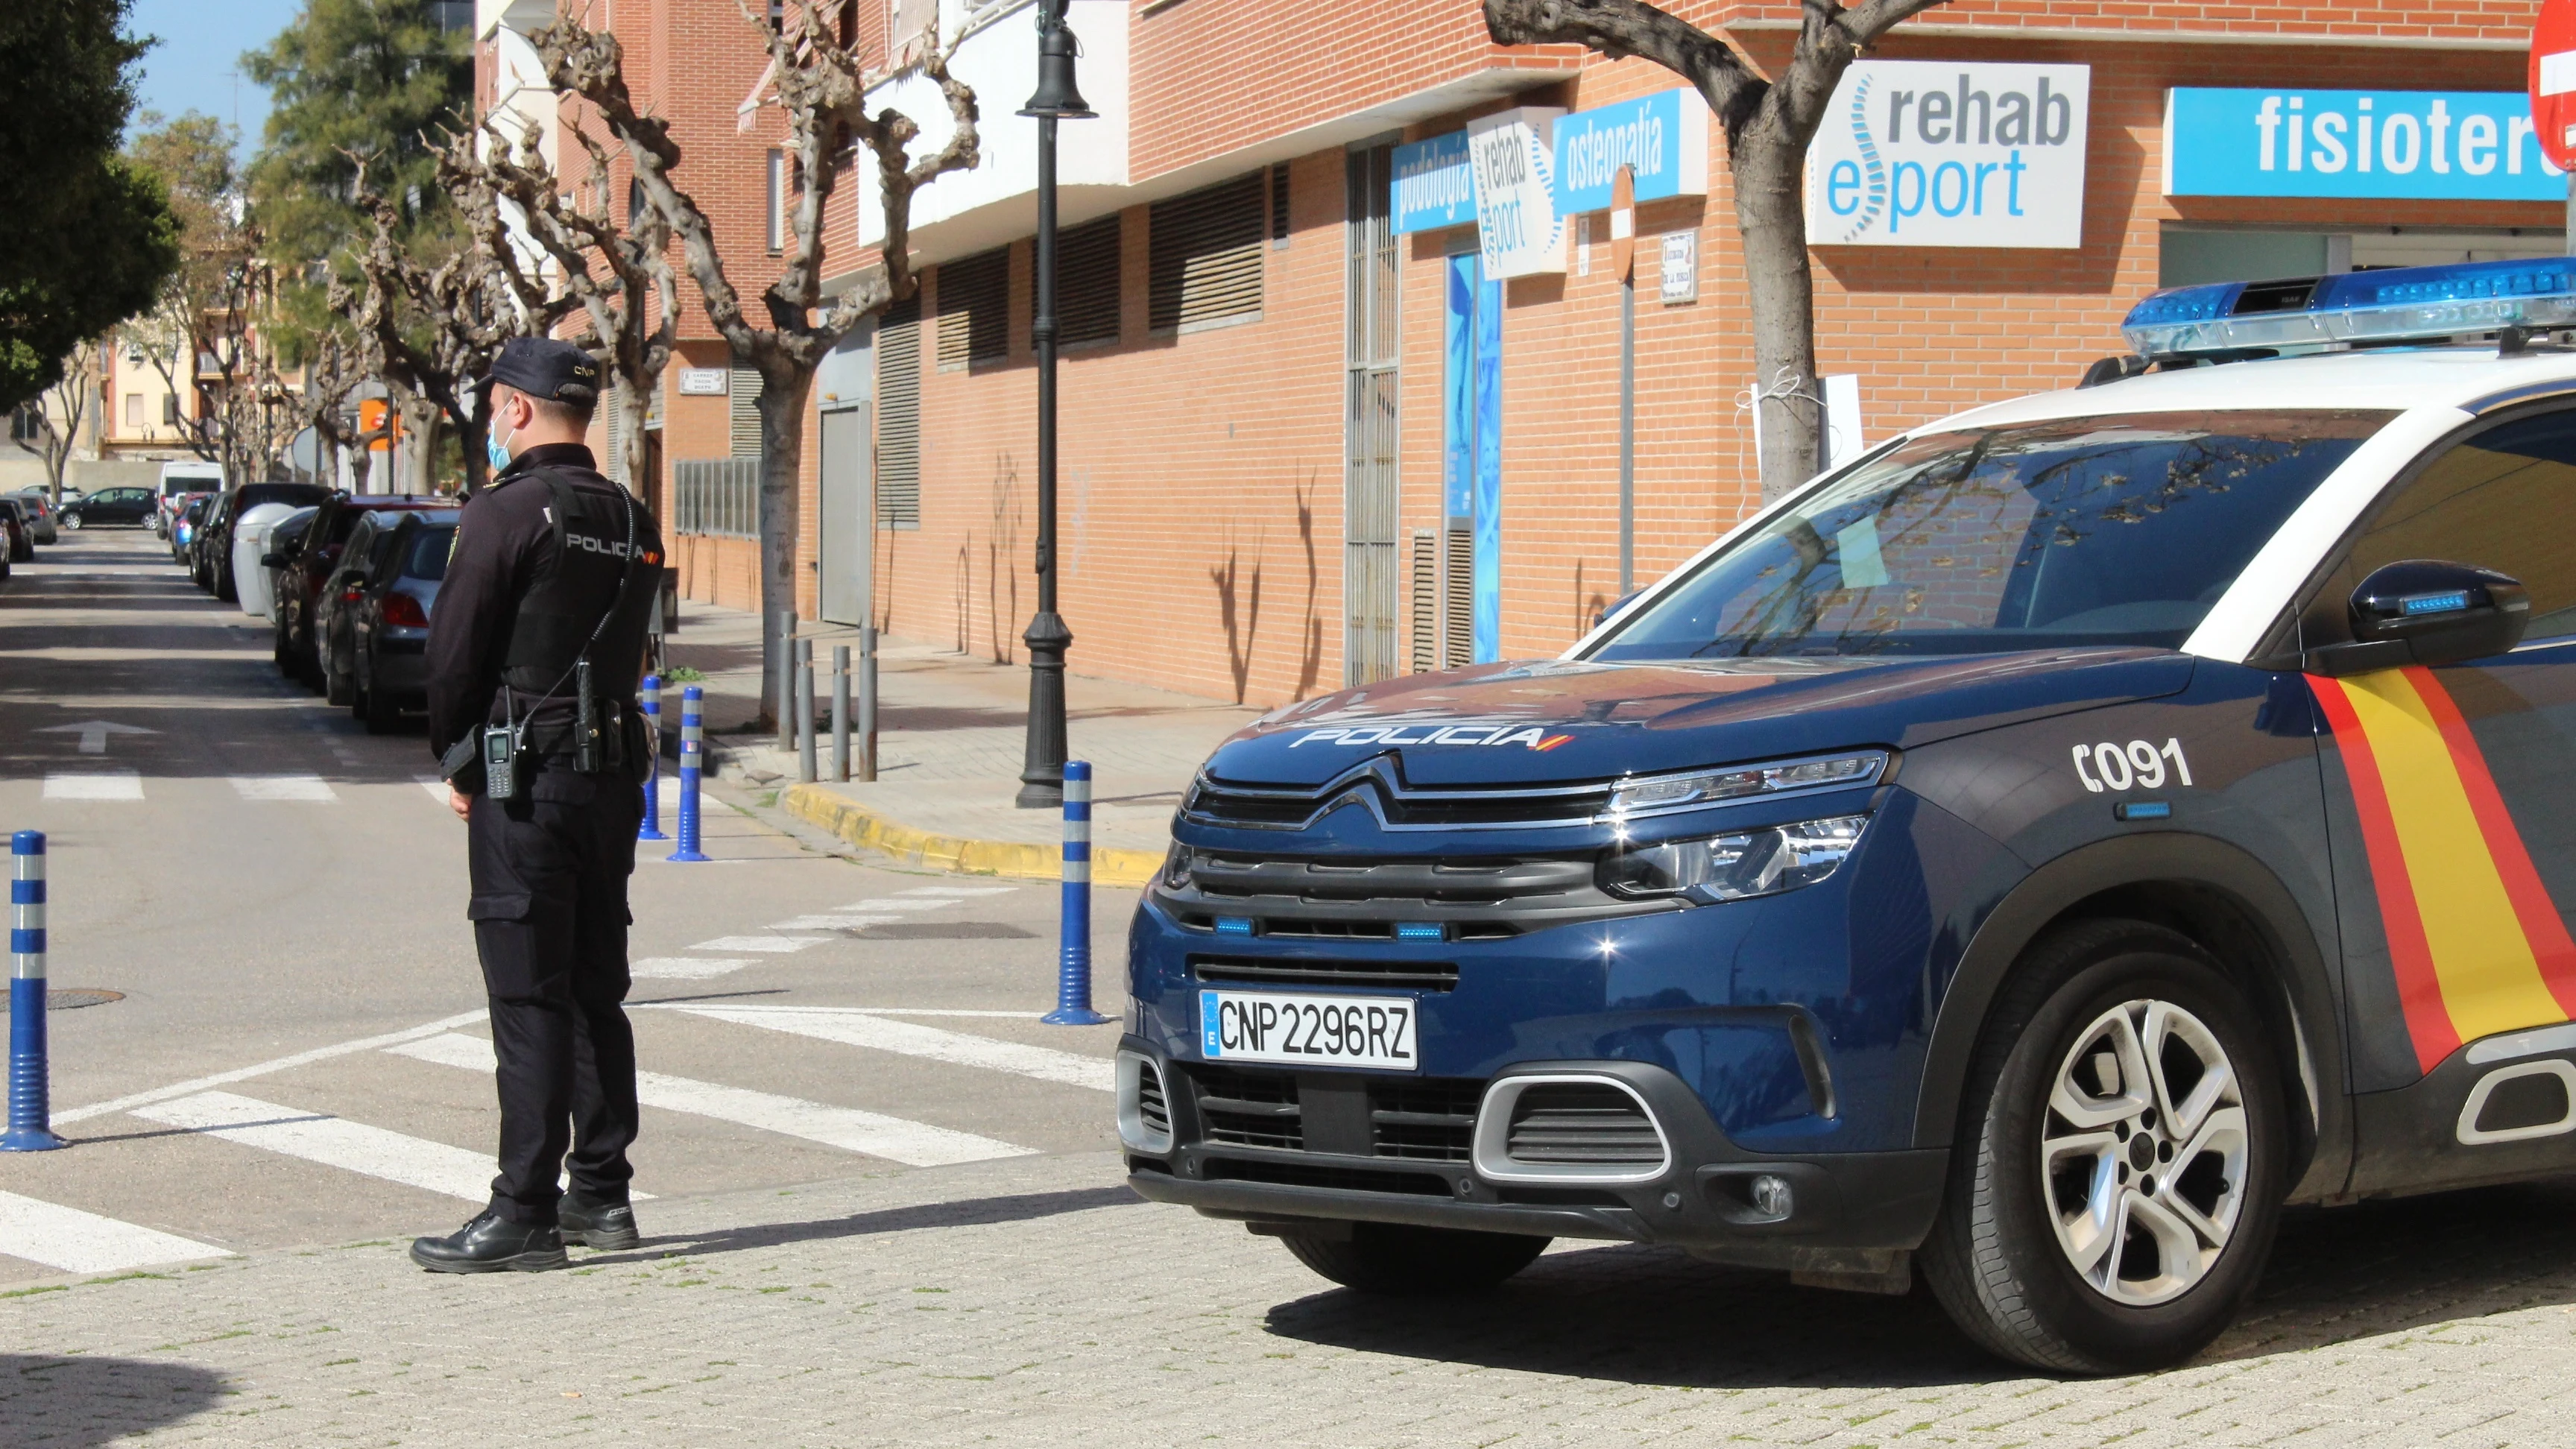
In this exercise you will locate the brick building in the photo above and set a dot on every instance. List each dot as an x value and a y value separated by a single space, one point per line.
1312 435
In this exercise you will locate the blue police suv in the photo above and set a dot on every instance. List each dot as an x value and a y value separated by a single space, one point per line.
2026 857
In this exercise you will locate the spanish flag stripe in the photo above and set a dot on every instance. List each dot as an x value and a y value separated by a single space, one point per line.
2419 991
2543 928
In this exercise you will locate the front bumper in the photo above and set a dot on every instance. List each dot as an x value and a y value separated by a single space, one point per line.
1700 1197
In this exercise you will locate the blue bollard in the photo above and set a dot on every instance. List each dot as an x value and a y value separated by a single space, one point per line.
693 755
31 1126
651 696
1073 977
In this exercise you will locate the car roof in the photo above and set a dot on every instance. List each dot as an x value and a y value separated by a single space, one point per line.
2390 379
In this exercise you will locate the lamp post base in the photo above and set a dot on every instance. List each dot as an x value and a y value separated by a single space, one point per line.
1042 769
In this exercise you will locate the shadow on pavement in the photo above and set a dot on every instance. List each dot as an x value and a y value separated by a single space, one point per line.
971 1212
1655 1316
50 1400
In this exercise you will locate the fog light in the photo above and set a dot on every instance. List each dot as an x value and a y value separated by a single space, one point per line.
1771 1196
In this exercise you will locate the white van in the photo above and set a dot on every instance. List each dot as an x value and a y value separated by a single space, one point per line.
178 480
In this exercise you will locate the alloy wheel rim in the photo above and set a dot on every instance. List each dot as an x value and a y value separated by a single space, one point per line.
2143 1152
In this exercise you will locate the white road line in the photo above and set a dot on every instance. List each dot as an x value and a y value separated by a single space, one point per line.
913 1040
437 789
831 923
685 968
284 787
79 1242
261 1069
842 1010
102 785
896 903
331 1141
915 1144
958 891
765 945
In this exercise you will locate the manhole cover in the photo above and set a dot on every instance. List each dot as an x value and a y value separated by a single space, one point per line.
76 996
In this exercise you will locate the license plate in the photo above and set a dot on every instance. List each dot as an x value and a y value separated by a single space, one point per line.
1325 1031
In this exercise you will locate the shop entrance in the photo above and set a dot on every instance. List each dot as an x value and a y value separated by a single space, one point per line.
1471 467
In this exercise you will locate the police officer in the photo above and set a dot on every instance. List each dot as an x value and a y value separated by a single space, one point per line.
549 588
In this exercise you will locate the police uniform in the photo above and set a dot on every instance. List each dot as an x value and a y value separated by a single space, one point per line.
553 565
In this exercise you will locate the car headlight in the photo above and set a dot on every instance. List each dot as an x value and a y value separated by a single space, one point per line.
1176 868
1732 867
1702 787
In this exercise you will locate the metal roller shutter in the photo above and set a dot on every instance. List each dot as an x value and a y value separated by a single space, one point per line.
742 395
899 416
1087 282
1206 256
975 310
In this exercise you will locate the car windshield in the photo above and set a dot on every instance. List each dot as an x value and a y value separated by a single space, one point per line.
429 550
2119 530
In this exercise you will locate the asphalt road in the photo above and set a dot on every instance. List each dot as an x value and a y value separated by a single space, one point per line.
262 881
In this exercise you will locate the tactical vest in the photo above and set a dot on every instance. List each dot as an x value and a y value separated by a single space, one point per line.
608 562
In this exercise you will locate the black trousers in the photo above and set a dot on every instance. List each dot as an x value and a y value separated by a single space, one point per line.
549 871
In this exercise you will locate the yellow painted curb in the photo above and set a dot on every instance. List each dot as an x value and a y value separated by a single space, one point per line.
857 824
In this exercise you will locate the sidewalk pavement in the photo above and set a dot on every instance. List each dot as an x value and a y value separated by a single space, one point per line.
950 734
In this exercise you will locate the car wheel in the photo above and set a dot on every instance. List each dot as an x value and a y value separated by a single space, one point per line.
224 587
2118 1172
378 712
1409 1262
337 688
72 521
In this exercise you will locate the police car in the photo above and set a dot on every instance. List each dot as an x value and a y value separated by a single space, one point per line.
2027 857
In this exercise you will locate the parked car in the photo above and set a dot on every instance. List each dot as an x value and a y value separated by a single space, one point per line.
369 545
110 507
310 561
184 525
21 542
211 552
40 515
389 622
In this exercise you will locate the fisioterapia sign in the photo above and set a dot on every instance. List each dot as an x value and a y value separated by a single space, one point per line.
1926 153
2431 145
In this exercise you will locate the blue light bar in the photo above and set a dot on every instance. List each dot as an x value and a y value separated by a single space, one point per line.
1234 925
1420 931
2399 304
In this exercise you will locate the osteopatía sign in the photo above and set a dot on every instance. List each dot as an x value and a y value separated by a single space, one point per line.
1930 153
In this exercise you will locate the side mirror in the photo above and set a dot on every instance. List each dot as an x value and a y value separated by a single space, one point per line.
2426 611
272 560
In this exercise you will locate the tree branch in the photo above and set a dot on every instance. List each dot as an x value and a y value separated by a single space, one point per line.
1621 28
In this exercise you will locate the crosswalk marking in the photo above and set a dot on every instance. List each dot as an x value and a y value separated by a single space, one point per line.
915 1144
437 788
832 923
331 1141
97 785
958 891
685 968
913 1039
79 1242
284 787
766 945
897 903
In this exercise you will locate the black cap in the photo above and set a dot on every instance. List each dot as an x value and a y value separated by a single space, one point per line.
549 370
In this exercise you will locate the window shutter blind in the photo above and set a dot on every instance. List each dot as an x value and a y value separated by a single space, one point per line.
616 418
1426 602
899 416
975 310
1279 205
1087 272
1206 255
742 394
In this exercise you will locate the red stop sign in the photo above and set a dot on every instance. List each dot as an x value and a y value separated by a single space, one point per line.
2553 81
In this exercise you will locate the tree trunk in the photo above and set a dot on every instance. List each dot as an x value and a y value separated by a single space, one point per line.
783 390
418 449
1771 221
632 403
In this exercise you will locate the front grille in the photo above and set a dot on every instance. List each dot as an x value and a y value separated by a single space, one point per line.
1282 971
1345 1179
1433 1120
1249 1109
1275 807
1151 1108
1581 1123
1341 899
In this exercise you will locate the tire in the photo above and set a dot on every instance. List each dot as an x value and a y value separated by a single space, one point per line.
337 688
224 586
2118 1016
1409 1262
280 649
72 521
378 712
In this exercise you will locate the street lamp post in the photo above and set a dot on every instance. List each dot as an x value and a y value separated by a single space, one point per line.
1042 770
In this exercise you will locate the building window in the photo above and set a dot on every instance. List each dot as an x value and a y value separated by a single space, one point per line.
899 415
777 201
134 409
908 22
1279 206
1088 273
1206 256
975 310
170 408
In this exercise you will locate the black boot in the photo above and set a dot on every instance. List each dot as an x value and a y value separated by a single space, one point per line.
588 1221
491 1244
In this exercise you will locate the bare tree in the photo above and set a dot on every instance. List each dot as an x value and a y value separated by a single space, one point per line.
60 412
822 88
632 286
1768 123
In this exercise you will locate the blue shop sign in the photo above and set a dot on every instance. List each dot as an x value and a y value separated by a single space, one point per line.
1433 186
2430 145
1663 136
